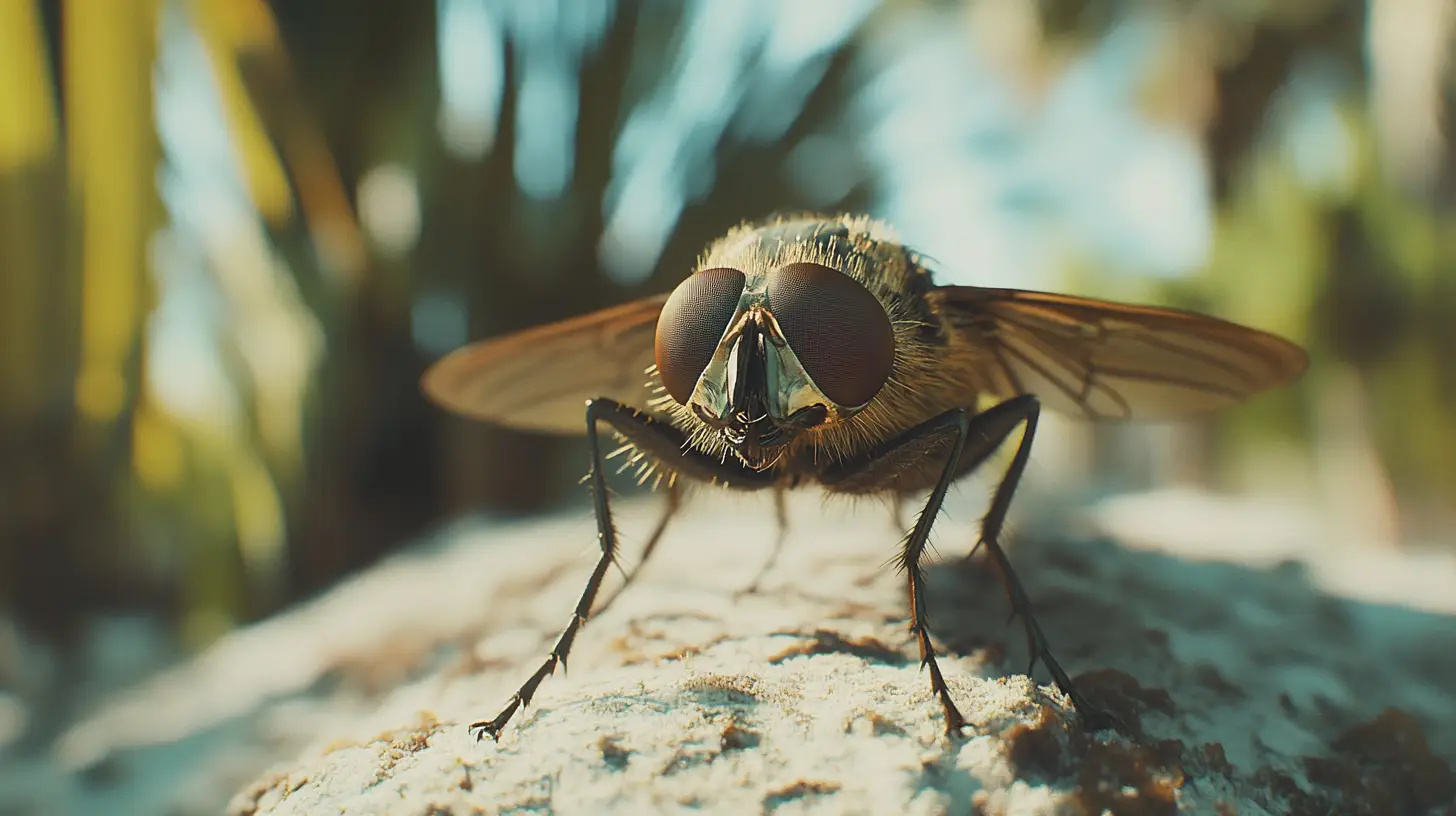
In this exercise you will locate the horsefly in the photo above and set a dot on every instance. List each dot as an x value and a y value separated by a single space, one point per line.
817 350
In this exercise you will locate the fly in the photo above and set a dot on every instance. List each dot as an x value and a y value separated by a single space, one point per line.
818 350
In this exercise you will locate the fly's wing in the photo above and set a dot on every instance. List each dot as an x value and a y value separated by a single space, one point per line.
540 379
1103 360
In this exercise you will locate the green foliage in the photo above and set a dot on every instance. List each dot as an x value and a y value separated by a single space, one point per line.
313 452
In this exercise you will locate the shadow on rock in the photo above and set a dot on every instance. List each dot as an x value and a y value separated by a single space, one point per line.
1253 680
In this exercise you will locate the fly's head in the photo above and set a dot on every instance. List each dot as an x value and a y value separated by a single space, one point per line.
761 356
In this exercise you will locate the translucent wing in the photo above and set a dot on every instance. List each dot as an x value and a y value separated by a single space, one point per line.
1104 360
540 378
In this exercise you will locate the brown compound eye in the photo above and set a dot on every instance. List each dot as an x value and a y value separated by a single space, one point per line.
691 324
836 327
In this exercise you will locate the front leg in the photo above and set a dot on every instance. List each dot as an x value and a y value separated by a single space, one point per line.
668 445
669 512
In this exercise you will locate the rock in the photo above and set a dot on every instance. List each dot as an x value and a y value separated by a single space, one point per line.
1243 689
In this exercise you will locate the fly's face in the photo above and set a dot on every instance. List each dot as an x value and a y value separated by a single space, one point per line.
761 356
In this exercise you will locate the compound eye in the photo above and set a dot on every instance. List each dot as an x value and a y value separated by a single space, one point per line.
836 327
691 325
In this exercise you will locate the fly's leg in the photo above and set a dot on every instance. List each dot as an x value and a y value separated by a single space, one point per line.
972 440
910 556
880 470
994 426
607 537
781 517
655 438
669 511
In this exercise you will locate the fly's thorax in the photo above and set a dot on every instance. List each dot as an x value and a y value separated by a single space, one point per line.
842 242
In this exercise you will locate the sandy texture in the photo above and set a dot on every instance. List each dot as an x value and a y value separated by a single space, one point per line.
1248 689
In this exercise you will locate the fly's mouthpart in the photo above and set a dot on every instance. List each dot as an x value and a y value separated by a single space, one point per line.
756 379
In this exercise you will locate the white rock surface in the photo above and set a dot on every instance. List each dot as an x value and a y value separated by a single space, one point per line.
1248 689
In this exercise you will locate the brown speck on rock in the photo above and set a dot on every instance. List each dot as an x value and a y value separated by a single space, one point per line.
614 756
803 789
823 641
1132 779
879 725
681 653
1034 751
736 738
1038 749
1381 766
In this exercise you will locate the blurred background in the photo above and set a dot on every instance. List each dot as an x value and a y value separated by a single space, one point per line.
233 234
